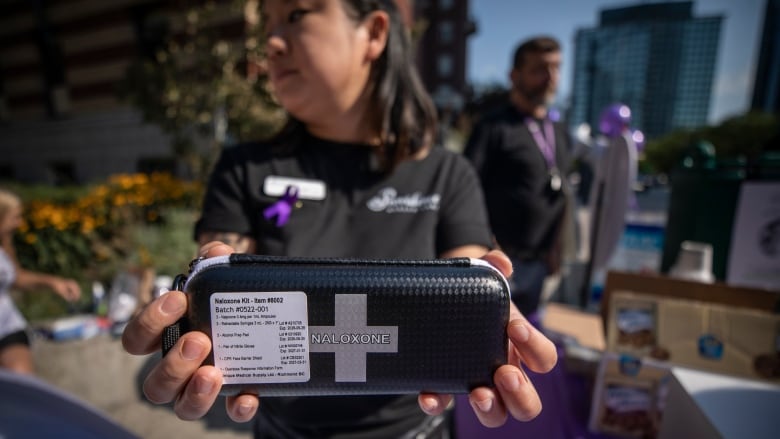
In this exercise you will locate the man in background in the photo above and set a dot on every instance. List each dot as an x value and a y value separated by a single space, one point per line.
522 154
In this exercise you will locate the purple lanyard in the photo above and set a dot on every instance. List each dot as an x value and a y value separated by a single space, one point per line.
546 142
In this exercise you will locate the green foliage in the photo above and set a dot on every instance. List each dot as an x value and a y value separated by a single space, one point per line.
169 246
131 221
202 86
44 304
664 154
55 194
743 137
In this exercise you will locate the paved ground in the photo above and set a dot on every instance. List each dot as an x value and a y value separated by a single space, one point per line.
99 372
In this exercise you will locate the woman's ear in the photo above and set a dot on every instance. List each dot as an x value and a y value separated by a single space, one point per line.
378 25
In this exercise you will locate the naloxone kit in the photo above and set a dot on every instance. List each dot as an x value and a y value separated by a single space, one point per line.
297 326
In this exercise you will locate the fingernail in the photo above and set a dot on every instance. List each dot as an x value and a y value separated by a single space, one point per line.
204 251
520 332
429 404
172 304
244 409
192 350
485 405
203 385
510 381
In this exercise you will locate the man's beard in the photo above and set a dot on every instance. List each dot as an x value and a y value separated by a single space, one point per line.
543 96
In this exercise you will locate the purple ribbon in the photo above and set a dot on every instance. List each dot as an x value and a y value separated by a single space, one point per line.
282 208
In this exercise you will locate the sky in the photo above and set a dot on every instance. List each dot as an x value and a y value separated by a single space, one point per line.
501 24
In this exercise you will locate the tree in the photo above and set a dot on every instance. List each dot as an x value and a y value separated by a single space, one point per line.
201 81
745 137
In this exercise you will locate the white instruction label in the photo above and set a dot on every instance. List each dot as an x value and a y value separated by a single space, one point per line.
261 337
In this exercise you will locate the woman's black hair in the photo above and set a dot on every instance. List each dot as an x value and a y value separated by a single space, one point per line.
403 112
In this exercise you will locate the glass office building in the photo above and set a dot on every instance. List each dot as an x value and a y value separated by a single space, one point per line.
656 58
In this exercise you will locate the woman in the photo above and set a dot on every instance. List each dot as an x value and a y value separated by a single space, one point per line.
357 153
15 354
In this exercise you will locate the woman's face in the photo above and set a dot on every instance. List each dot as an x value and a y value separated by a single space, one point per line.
12 220
318 58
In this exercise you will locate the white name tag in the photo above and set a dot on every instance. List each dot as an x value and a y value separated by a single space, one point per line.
276 186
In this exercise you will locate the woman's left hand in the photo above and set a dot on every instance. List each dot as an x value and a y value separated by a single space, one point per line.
513 393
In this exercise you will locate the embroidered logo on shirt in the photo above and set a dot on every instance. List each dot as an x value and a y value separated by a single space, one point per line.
388 200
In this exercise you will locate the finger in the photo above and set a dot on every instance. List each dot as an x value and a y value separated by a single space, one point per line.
74 290
517 393
242 408
500 260
215 248
142 333
168 377
488 407
62 291
529 345
65 290
199 394
434 403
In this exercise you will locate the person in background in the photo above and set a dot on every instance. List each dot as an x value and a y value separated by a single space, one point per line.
523 155
352 174
15 353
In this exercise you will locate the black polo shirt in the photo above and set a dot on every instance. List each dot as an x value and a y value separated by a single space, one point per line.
425 207
524 213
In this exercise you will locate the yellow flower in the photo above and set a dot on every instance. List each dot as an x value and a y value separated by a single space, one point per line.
87 225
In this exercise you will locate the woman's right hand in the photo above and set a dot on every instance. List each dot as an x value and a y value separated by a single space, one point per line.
68 289
180 376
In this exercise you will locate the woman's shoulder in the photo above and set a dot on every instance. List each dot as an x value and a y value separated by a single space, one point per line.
441 162
443 156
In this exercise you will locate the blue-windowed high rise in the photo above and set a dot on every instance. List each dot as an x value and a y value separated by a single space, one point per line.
655 57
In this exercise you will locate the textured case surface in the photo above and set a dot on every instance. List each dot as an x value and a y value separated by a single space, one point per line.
441 323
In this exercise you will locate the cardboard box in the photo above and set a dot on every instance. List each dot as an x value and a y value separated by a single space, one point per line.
580 333
629 396
654 323
702 404
569 322
664 286
712 337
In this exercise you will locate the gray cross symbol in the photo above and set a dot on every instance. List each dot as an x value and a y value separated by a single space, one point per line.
351 319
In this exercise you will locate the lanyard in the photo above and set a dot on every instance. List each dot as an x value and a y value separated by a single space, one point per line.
546 142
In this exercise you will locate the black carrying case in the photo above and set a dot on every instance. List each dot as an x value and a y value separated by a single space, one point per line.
297 326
